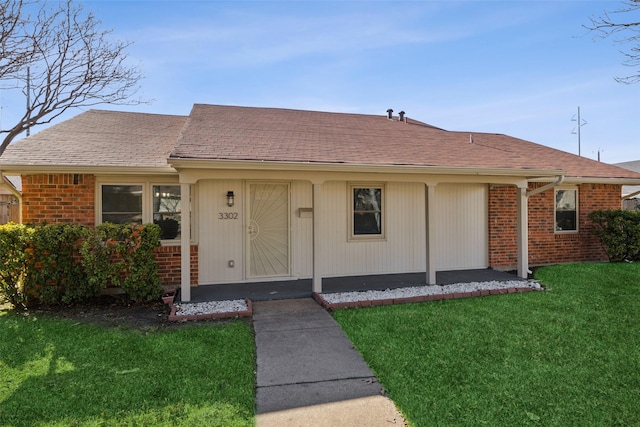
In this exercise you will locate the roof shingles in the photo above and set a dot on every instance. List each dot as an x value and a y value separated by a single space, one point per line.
214 132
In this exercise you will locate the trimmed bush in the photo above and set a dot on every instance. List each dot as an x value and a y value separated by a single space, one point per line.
123 256
61 264
619 233
53 271
12 260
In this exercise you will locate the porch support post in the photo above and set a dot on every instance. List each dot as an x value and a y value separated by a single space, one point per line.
185 243
317 239
523 233
430 228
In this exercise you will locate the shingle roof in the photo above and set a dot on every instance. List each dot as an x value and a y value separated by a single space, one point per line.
120 139
247 133
100 138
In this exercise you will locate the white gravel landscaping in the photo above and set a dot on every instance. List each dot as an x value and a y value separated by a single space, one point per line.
240 305
209 307
417 291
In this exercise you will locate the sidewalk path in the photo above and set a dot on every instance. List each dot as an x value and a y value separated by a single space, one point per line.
309 374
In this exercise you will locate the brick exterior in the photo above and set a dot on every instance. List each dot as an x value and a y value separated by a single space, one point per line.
169 261
61 198
70 198
545 245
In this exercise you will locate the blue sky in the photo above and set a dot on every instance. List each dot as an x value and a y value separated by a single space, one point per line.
515 67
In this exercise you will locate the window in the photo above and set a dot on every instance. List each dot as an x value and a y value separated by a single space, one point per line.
166 210
142 202
566 210
122 204
367 212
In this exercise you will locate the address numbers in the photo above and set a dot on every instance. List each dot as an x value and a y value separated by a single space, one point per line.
227 215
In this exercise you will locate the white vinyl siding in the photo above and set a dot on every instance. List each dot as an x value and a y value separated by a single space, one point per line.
402 250
462 240
221 240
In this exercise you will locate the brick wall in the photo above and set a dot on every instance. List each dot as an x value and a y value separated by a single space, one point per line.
70 198
169 262
60 198
546 246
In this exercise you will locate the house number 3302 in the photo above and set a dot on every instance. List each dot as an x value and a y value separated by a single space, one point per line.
227 215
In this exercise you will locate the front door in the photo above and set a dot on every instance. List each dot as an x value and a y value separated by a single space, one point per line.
268 230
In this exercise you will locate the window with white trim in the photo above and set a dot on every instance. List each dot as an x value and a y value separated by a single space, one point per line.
367 212
167 210
566 210
143 202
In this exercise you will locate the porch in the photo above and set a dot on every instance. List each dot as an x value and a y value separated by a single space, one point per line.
286 289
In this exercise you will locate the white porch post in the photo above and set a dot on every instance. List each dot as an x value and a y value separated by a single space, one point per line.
523 233
317 239
185 243
430 233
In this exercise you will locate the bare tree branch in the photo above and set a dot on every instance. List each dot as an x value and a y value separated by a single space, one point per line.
625 32
71 62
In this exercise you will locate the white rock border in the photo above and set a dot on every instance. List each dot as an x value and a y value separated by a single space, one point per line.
243 307
209 307
417 291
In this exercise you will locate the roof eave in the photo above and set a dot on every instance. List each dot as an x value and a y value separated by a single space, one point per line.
102 170
182 163
596 180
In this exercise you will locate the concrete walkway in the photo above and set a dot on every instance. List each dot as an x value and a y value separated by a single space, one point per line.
309 374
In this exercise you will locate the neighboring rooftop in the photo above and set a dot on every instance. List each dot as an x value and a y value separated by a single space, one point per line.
632 166
213 132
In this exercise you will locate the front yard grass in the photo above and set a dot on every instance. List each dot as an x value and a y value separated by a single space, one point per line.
566 356
55 372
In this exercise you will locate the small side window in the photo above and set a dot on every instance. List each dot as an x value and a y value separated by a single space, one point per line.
566 210
367 212
167 210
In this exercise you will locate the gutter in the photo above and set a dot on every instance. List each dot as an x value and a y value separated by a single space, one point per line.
4 183
558 181
181 164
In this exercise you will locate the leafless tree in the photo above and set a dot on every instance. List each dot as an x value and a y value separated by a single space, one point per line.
65 59
624 27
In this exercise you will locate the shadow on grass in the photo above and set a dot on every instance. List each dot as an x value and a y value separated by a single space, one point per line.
57 372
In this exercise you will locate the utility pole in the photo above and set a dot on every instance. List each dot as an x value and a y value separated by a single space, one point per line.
577 128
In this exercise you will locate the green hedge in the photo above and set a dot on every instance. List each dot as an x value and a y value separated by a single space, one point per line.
619 233
62 264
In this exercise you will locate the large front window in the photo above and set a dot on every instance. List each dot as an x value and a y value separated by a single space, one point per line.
367 212
143 202
566 210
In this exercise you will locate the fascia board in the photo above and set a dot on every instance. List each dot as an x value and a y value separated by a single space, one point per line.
95 170
180 164
590 180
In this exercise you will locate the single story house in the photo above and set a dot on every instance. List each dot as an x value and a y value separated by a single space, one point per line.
257 194
631 193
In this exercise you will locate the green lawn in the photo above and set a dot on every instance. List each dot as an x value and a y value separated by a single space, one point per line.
60 373
566 356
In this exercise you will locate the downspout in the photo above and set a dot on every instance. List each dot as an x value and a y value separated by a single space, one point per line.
13 191
546 187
